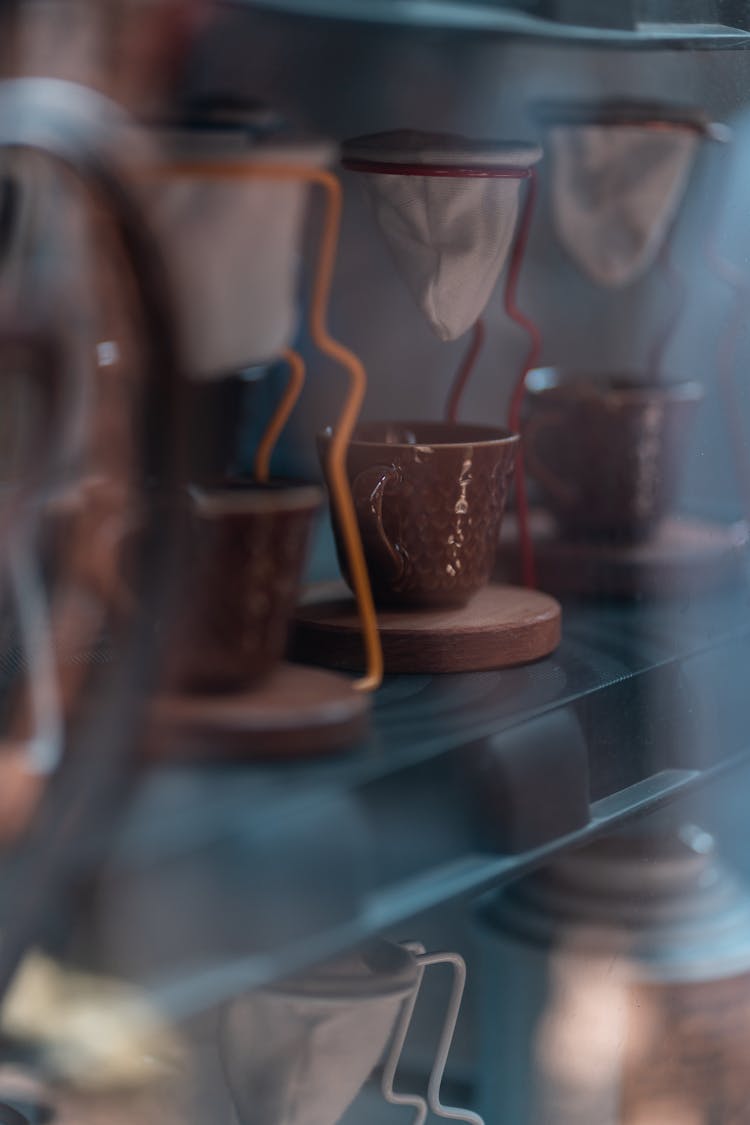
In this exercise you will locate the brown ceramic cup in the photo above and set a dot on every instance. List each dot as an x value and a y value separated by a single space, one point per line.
246 549
607 452
429 498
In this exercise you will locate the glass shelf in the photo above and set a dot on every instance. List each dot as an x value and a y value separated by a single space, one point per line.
239 874
660 26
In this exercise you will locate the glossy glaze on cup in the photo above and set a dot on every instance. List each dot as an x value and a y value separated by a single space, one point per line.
247 549
607 451
429 498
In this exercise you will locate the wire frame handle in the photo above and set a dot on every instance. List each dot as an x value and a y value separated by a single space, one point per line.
432 1103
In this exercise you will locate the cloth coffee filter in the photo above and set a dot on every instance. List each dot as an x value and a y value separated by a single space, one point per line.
619 173
233 246
449 234
299 1053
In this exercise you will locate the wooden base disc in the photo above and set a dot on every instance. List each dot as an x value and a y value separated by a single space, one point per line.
297 712
502 626
683 556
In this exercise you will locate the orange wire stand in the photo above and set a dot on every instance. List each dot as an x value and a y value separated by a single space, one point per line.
272 433
353 367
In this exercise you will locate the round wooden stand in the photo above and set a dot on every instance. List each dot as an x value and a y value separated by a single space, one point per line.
296 713
683 556
502 626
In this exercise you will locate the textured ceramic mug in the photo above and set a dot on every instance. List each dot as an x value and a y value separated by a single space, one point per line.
429 498
607 451
246 550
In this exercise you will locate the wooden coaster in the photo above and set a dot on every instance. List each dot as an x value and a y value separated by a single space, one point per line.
296 713
501 627
683 556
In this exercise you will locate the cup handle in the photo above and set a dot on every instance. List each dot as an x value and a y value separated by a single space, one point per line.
415 1101
562 492
368 490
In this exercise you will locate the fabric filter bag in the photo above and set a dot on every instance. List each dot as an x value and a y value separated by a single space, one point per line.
449 234
299 1053
233 246
619 174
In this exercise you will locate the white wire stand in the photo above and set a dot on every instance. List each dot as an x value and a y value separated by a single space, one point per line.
432 1103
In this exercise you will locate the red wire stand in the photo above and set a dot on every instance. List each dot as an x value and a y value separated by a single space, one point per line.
468 364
